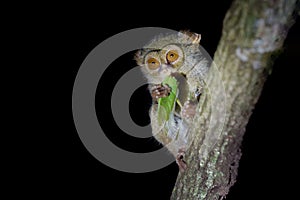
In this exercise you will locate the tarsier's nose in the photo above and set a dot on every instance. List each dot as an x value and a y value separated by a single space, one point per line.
165 68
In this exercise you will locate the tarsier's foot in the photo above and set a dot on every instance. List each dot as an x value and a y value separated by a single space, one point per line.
159 91
189 109
179 160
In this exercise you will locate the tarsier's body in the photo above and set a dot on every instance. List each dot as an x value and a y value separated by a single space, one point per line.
176 55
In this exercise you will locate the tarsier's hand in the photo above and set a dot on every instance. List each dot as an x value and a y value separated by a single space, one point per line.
189 109
159 91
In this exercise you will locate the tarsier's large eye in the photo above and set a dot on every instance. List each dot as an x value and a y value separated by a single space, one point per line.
153 63
172 56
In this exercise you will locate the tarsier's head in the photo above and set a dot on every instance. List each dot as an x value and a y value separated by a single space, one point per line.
169 54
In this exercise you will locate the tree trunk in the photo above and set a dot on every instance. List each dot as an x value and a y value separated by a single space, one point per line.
253 33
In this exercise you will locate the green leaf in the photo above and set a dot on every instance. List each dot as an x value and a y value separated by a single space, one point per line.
166 104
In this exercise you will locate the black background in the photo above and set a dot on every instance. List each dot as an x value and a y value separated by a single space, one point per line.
269 145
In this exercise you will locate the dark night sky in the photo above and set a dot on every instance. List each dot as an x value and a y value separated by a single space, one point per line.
269 142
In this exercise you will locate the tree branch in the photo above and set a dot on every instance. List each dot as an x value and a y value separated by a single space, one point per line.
253 32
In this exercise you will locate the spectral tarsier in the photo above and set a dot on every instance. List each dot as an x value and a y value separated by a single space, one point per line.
165 61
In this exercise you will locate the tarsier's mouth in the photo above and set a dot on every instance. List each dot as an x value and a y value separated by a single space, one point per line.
166 68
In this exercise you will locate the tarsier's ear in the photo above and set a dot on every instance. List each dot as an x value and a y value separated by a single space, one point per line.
138 57
194 38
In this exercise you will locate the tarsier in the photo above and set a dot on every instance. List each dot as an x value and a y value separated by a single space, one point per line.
178 56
